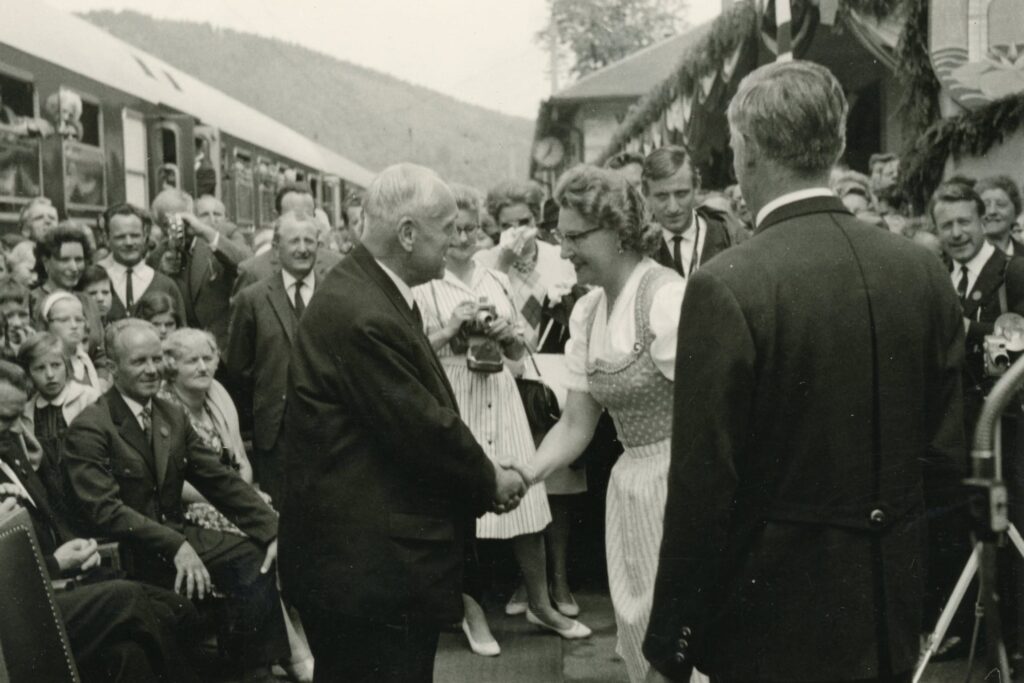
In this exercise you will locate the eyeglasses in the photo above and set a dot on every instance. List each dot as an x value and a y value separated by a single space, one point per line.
574 238
519 223
467 231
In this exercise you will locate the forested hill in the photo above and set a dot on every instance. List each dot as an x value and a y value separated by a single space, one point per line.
367 116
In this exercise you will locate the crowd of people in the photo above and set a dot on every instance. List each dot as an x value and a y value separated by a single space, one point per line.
183 388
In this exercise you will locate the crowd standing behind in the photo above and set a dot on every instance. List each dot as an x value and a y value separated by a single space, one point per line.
142 391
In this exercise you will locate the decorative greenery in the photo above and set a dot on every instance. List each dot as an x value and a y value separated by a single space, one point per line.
707 55
973 133
920 104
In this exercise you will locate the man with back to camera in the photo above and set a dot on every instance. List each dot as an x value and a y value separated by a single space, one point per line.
263 324
130 276
817 408
383 477
690 235
128 456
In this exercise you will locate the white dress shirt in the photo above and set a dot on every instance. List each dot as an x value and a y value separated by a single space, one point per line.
789 198
699 229
403 288
137 409
974 266
142 278
308 285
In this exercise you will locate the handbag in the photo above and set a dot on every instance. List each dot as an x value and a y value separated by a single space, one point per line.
539 401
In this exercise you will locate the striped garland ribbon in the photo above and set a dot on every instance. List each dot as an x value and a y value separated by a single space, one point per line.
784 30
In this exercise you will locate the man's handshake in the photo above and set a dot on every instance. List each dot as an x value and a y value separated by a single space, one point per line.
510 491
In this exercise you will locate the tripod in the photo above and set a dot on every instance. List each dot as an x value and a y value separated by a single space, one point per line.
989 510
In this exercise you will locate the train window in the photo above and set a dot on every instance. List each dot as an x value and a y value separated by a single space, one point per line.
241 173
136 172
169 144
168 173
21 173
268 180
75 118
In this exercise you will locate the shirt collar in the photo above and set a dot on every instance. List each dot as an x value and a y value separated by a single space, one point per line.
403 288
687 234
789 198
59 400
980 259
119 269
290 280
134 405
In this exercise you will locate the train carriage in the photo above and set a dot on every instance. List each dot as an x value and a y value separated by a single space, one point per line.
88 120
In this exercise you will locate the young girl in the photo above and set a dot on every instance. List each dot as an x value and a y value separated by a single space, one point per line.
58 399
62 314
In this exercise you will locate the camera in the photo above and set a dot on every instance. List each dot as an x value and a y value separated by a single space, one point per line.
179 235
483 354
1004 345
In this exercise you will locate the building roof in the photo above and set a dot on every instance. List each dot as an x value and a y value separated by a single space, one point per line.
635 75
74 44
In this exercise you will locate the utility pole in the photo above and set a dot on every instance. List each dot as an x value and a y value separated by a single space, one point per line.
553 48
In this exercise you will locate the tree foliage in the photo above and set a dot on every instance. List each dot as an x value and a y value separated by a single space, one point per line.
599 32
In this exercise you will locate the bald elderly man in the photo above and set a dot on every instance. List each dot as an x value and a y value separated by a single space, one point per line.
383 477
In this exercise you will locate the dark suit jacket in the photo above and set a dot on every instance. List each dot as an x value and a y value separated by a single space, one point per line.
160 283
263 326
801 440
383 477
716 241
983 306
130 489
257 268
207 280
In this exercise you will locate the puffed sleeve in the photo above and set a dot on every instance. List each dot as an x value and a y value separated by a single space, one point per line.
665 306
576 348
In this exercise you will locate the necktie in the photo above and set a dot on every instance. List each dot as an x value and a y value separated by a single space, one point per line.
129 295
677 256
961 286
416 314
300 305
146 416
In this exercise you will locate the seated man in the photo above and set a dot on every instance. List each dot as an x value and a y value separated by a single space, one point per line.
118 630
128 457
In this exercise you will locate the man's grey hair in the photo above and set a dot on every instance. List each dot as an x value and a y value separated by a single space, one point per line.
793 113
170 201
402 190
117 329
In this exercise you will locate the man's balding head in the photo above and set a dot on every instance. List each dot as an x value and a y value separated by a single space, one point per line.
170 202
408 214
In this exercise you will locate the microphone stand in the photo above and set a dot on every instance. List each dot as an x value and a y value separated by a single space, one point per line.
989 509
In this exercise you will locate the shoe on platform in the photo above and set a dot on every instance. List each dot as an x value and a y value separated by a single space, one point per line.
514 607
483 648
568 609
574 632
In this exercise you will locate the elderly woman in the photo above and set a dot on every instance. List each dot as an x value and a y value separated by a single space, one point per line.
1002 206
58 398
160 309
491 407
191 361
620 357
62 314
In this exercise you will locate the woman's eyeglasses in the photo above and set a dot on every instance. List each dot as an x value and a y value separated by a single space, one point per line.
520 223
574 238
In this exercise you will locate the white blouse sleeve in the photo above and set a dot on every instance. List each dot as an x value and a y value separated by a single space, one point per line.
664 319
576 349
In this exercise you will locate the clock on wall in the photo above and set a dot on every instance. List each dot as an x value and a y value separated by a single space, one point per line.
548 152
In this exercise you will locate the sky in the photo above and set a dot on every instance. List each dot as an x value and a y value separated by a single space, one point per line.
479 51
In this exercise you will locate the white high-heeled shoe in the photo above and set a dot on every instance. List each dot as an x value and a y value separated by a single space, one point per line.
485 648
574 632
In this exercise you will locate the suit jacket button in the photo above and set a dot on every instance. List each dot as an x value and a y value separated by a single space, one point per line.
878 517
683 644
686 632
679 658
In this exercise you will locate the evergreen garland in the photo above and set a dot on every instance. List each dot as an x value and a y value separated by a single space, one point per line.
707 55
973 133
920 106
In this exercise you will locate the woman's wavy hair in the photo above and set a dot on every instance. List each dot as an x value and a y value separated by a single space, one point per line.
604 199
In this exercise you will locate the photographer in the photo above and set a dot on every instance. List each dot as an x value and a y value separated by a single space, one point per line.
201 255
472 323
